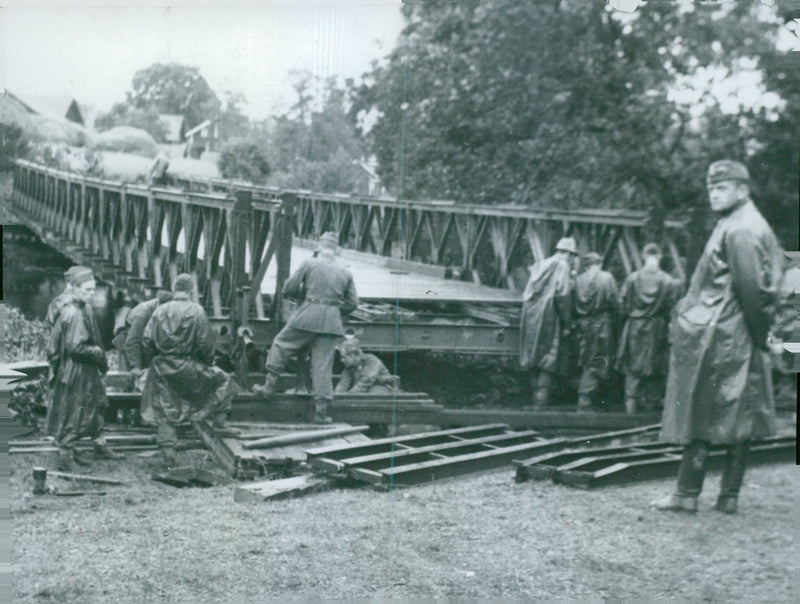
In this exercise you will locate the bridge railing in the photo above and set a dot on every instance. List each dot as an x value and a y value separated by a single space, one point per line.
145 236
491 245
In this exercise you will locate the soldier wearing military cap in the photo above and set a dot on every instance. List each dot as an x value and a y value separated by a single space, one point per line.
78 362
719 388
546 319
595 305
326 293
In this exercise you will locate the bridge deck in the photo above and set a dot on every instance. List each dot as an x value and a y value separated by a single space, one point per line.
381 278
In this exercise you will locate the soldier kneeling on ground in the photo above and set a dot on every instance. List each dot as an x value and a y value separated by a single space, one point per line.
363 372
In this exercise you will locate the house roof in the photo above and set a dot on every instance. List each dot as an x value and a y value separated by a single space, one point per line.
197 128
50 106
174 124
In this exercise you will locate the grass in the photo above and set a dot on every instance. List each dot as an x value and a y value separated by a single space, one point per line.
474 537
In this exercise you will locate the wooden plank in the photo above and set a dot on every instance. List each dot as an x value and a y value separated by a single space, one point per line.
270 490
302 437
85 478
218 448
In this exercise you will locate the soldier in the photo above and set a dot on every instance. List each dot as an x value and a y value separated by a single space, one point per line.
182 384
137 320
57 303
719 387
546 317
647 298
157 174
595 304
78 362
327 293
363 372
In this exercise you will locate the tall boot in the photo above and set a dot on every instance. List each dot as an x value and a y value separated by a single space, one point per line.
268 389
584 402
630 406
65 461
321 412
168 457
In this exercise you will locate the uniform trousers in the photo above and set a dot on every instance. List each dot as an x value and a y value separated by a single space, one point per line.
692 470
291 341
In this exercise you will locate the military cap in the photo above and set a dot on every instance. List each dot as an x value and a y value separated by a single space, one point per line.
351 343
328 240
651 249
75 275
567 244
183 283
592 258
726 169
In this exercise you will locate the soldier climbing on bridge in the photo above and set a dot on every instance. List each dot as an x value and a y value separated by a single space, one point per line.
327 292
546 318
646 301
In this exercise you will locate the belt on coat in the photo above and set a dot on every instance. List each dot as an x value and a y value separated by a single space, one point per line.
324 301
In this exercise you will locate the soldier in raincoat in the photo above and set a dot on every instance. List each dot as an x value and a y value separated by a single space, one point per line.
546 318
646 300
327 292
137 320
78 362
363 372
719 388
182 384
595 304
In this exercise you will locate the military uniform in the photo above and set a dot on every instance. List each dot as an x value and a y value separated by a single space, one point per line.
719 387
370 376
182 383
595 304
546 316
646 300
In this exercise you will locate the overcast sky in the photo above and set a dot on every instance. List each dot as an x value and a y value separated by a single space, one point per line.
91 49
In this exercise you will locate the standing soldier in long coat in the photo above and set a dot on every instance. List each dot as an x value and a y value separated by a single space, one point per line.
183 385
646 300
546 319
719 388
78 362
327 292
595 305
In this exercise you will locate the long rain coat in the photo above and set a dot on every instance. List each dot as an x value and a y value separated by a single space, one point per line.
545 313
719 387
595 303
646 300
78 362
181 380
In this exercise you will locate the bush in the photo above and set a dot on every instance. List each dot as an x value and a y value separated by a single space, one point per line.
244 161
24 340
13 144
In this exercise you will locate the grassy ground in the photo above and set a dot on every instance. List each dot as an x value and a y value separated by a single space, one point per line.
478 537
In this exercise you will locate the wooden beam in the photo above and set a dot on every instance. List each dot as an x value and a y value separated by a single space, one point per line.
302 437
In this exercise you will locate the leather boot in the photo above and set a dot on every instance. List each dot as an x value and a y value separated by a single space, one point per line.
65 462
221 427
676 503
584 402
630 406
726 505
103 451
541 398
81 458
268 389
168 457
320 413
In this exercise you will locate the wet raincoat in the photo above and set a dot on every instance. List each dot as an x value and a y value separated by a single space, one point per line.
370 376
646 300
181 380
78 362
595 302
545 314
719 387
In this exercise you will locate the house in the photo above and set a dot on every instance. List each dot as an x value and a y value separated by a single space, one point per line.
176 127
204 136
60 107
367 180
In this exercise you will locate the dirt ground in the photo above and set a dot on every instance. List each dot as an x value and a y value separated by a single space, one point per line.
474 537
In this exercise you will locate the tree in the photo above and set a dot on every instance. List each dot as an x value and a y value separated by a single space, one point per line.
13 144
233 124
174 88
313 145
243 160
566 104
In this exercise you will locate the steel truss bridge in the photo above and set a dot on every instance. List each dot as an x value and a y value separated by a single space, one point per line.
227 233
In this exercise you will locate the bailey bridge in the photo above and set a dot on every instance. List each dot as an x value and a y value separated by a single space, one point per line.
436 276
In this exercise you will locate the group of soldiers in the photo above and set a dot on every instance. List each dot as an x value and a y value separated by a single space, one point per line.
713 344
168 346
572 313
